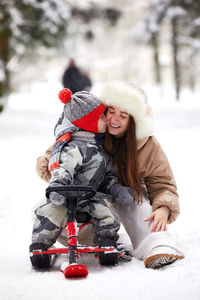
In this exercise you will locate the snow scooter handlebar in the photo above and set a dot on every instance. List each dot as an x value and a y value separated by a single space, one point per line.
74 192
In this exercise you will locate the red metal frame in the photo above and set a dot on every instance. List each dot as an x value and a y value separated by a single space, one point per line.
73 248
74 270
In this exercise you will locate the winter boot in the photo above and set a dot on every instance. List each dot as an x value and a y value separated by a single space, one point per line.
108 258
39 261
123 254
161 256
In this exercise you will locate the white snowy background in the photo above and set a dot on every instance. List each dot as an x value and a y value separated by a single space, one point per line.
26 130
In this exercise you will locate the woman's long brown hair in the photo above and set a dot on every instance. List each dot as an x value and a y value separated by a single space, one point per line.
124 155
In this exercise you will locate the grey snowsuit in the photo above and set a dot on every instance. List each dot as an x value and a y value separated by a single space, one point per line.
82 161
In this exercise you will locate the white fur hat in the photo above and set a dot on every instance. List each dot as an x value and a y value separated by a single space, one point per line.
132 98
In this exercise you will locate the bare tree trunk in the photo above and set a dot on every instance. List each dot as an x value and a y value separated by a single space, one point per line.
4 57
192 70
176 66
155 44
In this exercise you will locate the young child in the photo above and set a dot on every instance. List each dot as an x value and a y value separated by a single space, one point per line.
78 158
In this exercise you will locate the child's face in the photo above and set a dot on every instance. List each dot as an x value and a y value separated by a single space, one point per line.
102 126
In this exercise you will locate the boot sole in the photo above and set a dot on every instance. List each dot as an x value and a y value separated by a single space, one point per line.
160 260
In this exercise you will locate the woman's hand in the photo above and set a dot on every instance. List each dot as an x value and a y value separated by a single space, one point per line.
160 217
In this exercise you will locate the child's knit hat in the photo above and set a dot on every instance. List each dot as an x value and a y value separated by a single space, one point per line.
82 109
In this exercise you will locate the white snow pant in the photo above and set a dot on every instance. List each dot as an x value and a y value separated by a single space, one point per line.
139 231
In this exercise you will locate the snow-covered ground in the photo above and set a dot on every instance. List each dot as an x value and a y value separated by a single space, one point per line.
26 130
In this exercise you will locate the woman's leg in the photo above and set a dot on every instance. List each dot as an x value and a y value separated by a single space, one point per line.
139 231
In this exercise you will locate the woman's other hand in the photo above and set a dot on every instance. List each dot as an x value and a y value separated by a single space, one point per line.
159 217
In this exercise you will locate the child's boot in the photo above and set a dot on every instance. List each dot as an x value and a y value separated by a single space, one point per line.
108 258
39 261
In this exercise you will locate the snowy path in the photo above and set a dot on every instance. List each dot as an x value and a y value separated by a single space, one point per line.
24 135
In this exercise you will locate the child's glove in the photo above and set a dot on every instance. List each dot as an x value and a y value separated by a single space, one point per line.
56 198
122 194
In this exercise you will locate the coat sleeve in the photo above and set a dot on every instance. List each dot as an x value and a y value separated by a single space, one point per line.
42 165
160 182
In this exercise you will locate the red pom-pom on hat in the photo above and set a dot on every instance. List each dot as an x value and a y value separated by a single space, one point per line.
65 95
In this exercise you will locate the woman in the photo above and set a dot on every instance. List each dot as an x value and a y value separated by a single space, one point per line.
141 164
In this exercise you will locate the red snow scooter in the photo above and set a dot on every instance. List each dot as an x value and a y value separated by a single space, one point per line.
74 193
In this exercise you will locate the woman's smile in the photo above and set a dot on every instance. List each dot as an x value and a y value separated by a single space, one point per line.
115 126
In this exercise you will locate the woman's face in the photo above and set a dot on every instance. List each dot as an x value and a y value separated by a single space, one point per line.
117 120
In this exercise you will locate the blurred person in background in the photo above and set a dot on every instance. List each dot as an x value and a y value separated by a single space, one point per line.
74 79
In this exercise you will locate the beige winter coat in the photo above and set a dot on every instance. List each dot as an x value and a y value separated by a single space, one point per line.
155 173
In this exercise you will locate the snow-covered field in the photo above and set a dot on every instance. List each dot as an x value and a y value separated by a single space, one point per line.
26 130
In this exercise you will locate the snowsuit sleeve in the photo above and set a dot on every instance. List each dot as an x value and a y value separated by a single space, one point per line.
159 180
109 179
70 161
